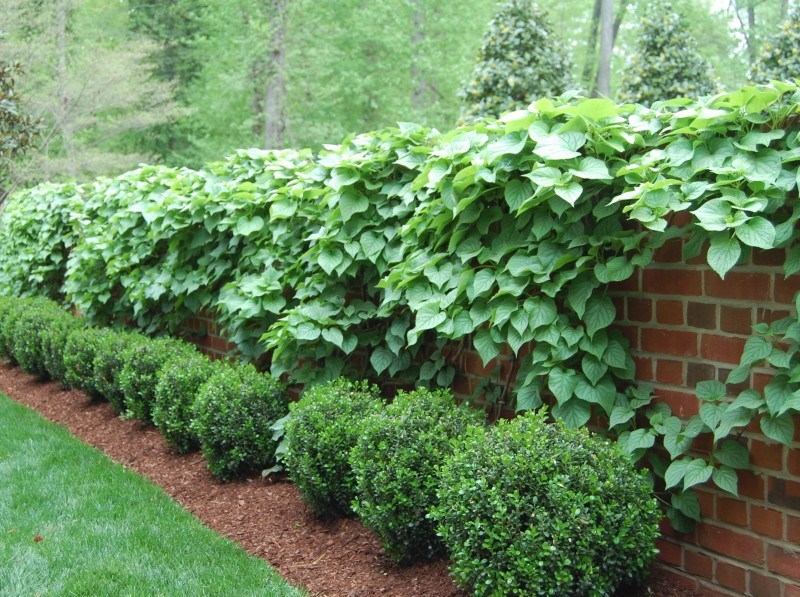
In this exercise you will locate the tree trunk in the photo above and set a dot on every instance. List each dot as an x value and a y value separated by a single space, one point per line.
62 116
603 84
275 96
751 26
419 85
591 46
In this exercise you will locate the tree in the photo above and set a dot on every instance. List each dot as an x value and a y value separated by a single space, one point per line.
666 63
780 57
520 60
18 130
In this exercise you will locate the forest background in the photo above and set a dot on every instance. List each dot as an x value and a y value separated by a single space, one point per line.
185 82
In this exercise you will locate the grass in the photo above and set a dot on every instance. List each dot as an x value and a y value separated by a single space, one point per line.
72 522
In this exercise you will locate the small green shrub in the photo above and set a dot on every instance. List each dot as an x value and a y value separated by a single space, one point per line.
16 310
53 340
24 339
80 350
176 392
395 463
531 508
108 363
232 417
139 375
7 303
323 427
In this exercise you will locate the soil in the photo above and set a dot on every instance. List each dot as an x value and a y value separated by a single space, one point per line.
268 518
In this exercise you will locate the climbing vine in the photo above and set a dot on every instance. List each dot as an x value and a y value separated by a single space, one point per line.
390 254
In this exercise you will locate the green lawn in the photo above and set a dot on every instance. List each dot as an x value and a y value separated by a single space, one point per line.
72 522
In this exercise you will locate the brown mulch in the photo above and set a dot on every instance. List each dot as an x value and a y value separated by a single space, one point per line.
267 518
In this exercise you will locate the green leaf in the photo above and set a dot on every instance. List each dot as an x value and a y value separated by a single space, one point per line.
486 347
575 413
776 393
713 215
517 192
591 169
698 471
738 374
675 472
726 479
733 454
541 312
679 151
570 192
621 415
710 391
686 503
562 383
381 358
757 232
600 314
560 147
528 397
247 226
429 316
724 253
512 143
639 439
352 202
307 331
755 349
372 244
779 429
545 177
593 369
329 259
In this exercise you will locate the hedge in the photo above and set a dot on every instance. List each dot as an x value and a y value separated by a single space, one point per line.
375 256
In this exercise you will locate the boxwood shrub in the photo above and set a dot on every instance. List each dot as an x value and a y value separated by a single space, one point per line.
532 508
323 427
16 310
176 391
7 303
24 340
108 362
80 350
395 461
139 374
232 417
53 339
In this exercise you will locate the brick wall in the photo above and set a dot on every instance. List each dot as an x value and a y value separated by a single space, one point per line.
686 325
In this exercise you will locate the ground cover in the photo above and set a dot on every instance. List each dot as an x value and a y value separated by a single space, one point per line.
74 523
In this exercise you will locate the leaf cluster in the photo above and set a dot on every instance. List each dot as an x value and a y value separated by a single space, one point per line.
779 57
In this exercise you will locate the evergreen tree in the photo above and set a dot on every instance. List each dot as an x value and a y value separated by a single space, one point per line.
18 130
666 63
780 57
520 60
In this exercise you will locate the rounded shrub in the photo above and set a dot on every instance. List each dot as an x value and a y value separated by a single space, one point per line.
323 427
10 319
24 338
531 508
232 417
176 392
80 350
7 304
53 339
395 462
108 363
139 375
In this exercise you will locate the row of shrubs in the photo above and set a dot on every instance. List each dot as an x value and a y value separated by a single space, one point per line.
225 409
521 507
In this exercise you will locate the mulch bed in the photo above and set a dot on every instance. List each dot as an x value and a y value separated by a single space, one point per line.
267 518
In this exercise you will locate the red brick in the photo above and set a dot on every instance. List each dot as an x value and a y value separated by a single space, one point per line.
669 312
766 455
731 577
632 334
793 528
731 543
751 485
697 563
721 348
737 285
793 462
669 372
702 315
706 501
783 492
783 561
683 404
632 284
669 552
732 511
473 364
671 342
671 252
619 306
697 372
639 309
775 257
644 369
766 522
770 315
673 281
764 586
736 320
760 381
673 578
791 591
786 288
